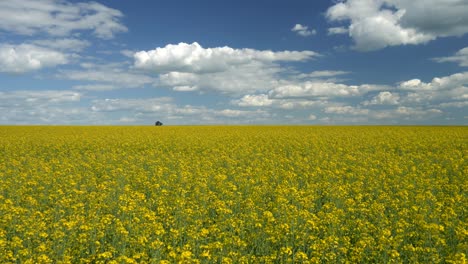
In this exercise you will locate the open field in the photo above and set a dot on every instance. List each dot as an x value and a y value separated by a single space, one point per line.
234 194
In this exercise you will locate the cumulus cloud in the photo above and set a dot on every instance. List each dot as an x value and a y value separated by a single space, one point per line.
409 101
376 24
449 88
403 114
384 98
294 104
238 113
322 74
144 109
48 115
254 100
45 96
47 106
356 114
96 87
415 113
413 84
139 105
453 83
337 30
128 53
106 77
190 67
345 110
26 57
264 101
321 89
59 18
194 58
118 77
302 30
460 57
249 78
418 100
460 104
63 44
340 103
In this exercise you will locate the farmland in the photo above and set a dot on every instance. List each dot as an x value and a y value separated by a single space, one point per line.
233 194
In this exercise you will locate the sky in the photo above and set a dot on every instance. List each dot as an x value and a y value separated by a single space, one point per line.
184 62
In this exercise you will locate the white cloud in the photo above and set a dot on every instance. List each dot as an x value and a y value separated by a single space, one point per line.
47 106
146 109
408 102
414 112
412 100
96 87
446 89
346 110
180 79
302 30
321 89
355 114
254 100
26 57
337 30
47 115
264 101
139 105
249 78
460 104
417 100
59 18
63 44
44 96
118 77
193 58
185 88
384 98
190 67
322 74
293 104
376 24
453 87
128 53
460 57
413 84
106 77
234 113
125 119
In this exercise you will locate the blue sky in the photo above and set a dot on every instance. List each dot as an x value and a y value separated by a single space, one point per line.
234 62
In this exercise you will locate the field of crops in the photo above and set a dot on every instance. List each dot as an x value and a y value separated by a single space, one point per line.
234 194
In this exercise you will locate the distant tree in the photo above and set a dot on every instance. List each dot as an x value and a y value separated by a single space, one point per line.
158 123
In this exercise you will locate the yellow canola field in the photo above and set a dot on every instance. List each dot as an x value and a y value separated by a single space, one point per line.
233 194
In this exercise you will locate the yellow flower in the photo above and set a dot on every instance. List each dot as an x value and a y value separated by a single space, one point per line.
245 194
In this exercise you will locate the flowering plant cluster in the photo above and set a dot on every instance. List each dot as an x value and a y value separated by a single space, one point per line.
233 194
